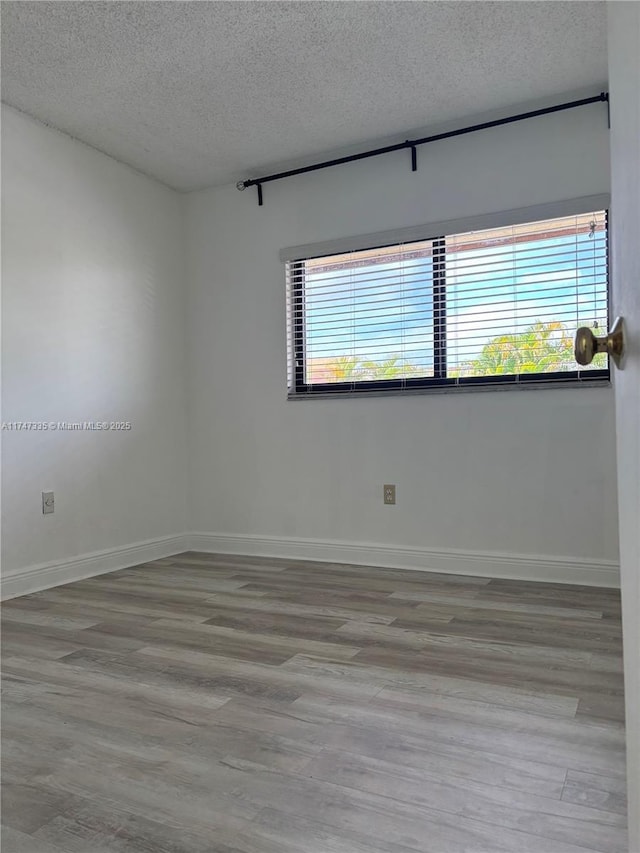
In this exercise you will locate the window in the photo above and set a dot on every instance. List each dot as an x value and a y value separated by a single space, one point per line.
495 306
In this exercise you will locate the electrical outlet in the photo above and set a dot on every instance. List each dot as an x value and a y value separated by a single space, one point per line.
389 492
47 503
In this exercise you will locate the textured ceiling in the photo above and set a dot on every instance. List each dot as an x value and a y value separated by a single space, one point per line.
199 93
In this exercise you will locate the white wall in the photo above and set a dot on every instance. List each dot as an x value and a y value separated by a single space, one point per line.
529 472
93 330
93 307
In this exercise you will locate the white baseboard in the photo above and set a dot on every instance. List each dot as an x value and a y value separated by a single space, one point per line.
571 570
533 567
45 575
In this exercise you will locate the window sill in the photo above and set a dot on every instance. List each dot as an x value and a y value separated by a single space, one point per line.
541 385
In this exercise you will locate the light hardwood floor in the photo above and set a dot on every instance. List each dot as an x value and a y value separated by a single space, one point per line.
203 704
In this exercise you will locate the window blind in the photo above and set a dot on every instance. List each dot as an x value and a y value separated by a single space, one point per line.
492 305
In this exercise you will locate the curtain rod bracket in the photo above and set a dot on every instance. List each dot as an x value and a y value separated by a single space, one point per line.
414 158
605 97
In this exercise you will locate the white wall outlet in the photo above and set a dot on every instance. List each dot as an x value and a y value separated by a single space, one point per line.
389 493
47 503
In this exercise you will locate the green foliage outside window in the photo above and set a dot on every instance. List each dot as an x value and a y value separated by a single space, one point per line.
542 348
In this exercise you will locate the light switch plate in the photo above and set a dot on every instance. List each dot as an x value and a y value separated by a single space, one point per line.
47 503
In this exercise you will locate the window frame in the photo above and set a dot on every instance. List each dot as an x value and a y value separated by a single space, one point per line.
439 382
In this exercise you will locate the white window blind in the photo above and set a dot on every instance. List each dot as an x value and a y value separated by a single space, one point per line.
487 306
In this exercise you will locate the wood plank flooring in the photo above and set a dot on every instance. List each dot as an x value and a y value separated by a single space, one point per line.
210 704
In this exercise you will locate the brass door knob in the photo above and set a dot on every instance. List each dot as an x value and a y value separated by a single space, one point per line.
587 345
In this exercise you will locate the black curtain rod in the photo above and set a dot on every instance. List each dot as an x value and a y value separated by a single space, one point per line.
413 143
